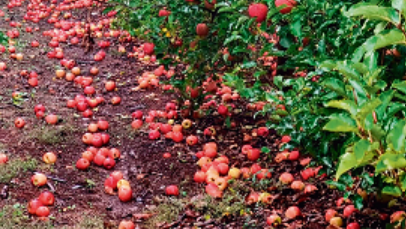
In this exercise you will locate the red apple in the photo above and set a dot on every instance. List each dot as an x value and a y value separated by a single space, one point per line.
3 158
42 211
124 193
47 198
126 224
172 190
292 212
49 158
258 11
19 123
39 179
82 164
33 205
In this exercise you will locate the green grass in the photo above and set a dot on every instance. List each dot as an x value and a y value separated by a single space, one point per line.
52 135
168 211
15 217
16 167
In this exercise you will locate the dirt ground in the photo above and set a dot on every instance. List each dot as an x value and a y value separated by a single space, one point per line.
80 194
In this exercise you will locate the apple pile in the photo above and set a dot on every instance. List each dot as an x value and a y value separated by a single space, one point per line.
39 206
115 182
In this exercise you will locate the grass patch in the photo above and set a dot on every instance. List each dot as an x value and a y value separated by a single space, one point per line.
52 135
89 222
166 212
213 209
15 167
15 217
12 216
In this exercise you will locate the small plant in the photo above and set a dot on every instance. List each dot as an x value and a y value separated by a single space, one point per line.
16 167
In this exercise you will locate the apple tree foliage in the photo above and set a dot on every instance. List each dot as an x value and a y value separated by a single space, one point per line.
340 69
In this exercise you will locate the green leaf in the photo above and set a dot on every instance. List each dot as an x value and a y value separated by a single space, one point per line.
403 183
400 5
296 25
348 71
358 201
392 190
390 161
400 86
360 149
339 186
359 89
249 64
278 81
396 137
347 105
328 64
384 39
367 109
335 85
341 123
374 12
347 162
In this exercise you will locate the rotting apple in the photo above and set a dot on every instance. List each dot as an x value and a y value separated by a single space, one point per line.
39 179
49 158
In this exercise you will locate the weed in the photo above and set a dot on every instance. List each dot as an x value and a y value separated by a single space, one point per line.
168 211
14 216
52 135
15 167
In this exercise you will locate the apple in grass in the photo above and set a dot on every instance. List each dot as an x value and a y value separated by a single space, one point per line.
3 158
213 190
49 158
39 179
47 198
252 198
